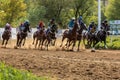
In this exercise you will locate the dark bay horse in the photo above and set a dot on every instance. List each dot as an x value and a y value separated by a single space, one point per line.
100 36
50 36
71 37
22 35
79 35
6 36
88 37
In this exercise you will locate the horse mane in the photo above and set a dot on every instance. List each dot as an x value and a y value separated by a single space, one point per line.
82 27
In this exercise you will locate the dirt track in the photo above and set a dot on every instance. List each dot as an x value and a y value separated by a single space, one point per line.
63 65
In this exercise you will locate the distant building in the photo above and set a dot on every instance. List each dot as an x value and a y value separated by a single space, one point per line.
115 27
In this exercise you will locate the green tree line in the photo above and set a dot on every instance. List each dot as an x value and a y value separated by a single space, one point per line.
17 11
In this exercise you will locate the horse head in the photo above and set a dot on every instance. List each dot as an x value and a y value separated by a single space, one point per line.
82 27
75 27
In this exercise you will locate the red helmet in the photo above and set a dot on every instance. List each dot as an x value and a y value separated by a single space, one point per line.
41 23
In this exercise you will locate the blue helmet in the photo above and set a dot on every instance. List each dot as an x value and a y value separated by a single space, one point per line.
80 17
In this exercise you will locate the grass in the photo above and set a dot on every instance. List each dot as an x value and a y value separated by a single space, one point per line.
113 42
9 73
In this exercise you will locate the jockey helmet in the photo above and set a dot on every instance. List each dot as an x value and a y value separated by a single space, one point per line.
52 19
105 21
80 17
7 24
41 23
92 22
73 18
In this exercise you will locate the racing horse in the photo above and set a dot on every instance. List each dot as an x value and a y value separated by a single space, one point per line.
79 35
50 36
22 35
100 36
39 36
88 37
36 34
6 36
71 36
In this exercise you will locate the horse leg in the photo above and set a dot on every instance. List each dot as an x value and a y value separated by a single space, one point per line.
73 45
42 41
94 43
79 45
84 40
36 43
68 44
18 39
24 42
62 41
39 44
89 43
54 42
20 42
48 42
33 40
6 43
42 44
105 44
3 41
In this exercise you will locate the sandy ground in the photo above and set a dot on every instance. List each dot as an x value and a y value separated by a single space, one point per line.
64 65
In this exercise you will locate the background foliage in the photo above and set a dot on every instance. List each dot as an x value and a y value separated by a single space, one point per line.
17 11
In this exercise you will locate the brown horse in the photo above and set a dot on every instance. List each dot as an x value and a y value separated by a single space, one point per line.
79 35
39 36
35 34
50 36
6 36
88 36
22 35
71 37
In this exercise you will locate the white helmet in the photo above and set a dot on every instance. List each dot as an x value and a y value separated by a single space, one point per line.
73 18
7 24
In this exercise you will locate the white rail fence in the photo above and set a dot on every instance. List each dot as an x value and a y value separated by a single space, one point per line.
15 30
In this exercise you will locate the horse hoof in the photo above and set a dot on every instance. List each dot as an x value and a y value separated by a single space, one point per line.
57 49
78 50
63 48
15 47
71 49
92 50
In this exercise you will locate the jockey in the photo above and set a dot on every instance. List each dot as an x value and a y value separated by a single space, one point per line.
71 24
8 27
92 28
41 26
105 25
21 27
26 25
80 20
50 24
